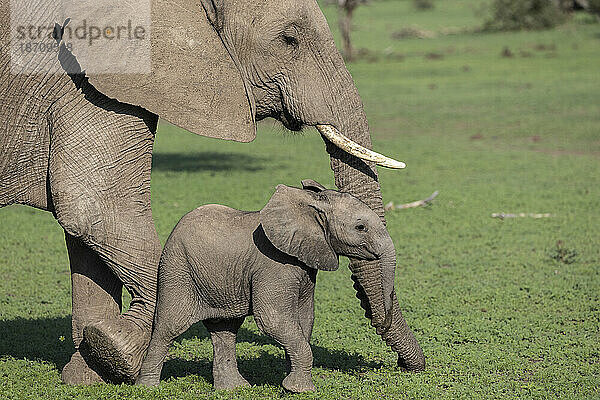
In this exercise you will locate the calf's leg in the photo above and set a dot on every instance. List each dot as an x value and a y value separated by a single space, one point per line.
225 369
174 315
276 313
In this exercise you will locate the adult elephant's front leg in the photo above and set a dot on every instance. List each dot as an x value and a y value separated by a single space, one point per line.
116 347
99 178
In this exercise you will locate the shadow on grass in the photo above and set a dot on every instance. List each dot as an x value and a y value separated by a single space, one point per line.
206 161
49 340
265 369
46 339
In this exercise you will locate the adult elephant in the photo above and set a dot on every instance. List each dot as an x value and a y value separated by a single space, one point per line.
80 146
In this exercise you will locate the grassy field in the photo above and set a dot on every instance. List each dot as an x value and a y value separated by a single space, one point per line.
500 309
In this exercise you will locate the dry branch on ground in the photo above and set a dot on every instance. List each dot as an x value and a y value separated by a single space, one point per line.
419 203
521 215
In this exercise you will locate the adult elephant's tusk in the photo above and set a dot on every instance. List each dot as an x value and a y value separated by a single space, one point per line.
356 149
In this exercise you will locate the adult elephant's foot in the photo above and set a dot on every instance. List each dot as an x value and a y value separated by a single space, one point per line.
115 348
77 372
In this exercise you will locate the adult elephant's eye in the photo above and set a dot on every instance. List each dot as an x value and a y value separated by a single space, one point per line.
289 36
290 40
361 228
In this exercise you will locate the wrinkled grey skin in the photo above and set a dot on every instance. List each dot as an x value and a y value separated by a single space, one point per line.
71 150
220 265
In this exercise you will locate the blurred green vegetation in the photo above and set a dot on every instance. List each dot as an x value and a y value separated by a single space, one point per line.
512 15
497 310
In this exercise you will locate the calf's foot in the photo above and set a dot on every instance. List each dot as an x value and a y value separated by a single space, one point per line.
147 380
298 382
228 378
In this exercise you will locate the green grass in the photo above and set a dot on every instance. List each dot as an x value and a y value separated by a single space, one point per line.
496 315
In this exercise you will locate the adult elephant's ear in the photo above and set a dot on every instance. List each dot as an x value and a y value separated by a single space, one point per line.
194 82
295 222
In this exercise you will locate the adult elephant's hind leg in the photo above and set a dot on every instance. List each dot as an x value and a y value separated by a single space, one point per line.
96 296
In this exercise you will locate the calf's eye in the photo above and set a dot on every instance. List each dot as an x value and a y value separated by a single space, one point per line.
361 228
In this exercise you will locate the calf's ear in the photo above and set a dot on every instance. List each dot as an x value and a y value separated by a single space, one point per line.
295 222
309 184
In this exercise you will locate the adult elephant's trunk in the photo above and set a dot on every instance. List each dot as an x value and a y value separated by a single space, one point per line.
359 178
374 285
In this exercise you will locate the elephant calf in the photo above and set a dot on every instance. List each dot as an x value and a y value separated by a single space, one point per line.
220 265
